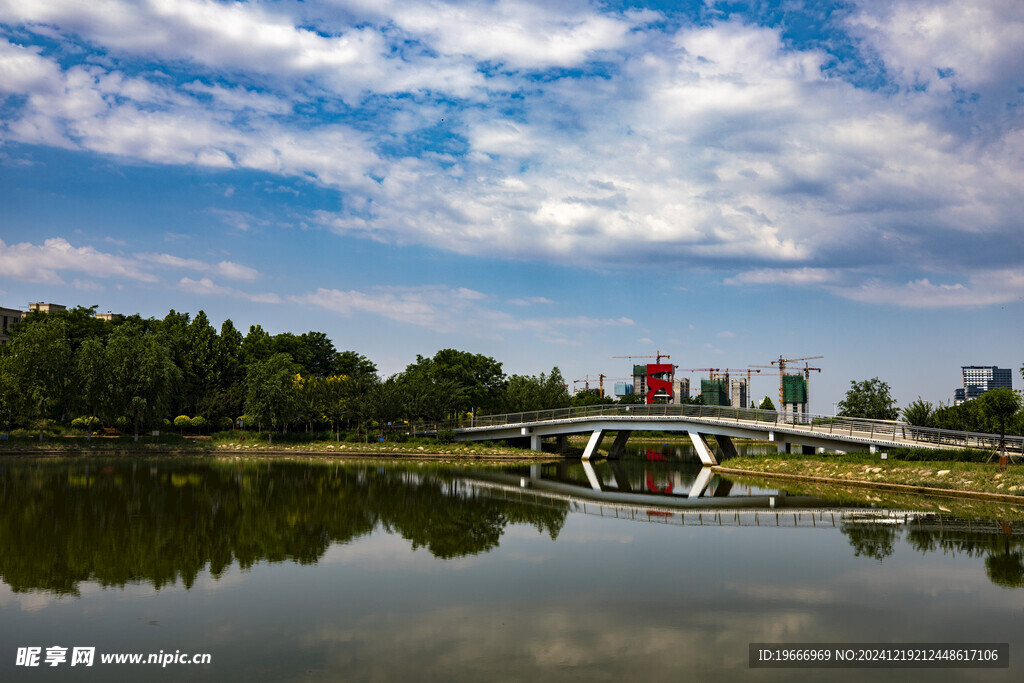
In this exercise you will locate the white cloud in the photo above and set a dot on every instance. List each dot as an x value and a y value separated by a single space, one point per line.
44 263
531 300
726 334
783 276
86 285
206 287
982 289
444 309
945 44
717 143
228 269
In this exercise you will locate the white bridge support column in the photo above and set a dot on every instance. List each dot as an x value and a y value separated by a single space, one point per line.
593 444
704 452
534 442
615 452
595 483
700 484
782 446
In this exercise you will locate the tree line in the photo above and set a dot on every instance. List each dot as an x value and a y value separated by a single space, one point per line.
138 374
997 411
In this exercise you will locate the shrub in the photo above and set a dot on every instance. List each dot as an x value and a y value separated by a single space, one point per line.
225 423
183 422
85 422
198 422
446 436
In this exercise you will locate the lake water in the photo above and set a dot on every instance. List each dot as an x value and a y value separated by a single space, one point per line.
651 569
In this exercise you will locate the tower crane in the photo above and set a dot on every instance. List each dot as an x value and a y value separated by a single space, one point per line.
709 370
781 362
749 372
658 355
586 383
614 379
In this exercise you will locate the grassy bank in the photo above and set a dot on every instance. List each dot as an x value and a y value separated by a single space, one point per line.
224 443
948 475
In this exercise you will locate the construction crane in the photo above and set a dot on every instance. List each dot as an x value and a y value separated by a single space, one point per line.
601 378
807 376
781 362
749 371
658 355
614 379
709 370
586 385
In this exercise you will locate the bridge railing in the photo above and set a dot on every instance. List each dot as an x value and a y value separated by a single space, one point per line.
823 425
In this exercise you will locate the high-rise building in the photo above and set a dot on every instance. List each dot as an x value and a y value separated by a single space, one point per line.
977 379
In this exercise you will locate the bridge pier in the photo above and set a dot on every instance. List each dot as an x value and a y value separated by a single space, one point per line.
534 442
704 452
727 446
615 452
593 444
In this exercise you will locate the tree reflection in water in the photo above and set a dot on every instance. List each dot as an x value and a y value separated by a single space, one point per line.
1003 551
161 521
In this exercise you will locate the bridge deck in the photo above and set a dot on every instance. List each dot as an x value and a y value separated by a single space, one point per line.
811 430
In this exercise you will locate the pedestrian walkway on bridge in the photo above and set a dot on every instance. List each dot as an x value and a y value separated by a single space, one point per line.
807 431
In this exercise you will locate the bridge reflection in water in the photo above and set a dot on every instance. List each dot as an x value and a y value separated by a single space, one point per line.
680 496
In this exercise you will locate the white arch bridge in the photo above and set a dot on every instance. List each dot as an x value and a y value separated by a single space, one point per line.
807 431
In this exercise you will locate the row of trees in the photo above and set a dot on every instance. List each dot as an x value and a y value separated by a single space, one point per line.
997 411
64 365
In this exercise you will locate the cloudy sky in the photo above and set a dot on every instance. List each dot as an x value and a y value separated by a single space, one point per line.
545 183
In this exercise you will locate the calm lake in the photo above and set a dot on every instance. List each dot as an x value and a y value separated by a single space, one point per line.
645 569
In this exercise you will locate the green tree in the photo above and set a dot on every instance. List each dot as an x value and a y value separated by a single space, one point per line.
40 356
93 377
869 399
352 364
143 378
10 395
589 398
333 396
271 393
182 422
523 393
478 378
201 364
257 346
767 404
919 413
998 406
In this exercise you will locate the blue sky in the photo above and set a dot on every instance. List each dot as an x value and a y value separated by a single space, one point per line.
545 183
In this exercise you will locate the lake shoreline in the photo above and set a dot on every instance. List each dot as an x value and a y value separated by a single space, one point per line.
956 480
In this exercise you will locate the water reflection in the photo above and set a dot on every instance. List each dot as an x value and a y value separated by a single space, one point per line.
299 570
163 521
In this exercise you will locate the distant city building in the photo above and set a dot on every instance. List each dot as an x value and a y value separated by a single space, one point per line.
42 307
738 393
8 316
977 379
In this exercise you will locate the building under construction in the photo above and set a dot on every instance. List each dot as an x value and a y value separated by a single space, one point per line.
724 392
794 396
